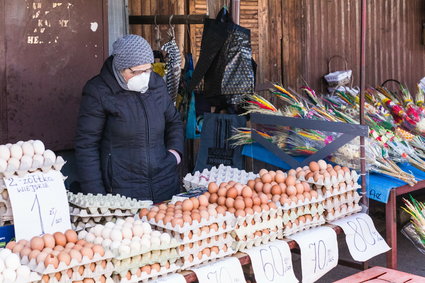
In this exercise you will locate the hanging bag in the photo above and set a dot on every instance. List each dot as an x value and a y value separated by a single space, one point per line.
338 78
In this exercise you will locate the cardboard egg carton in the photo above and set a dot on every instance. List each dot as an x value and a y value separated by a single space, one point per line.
99 212
65 279
333 180
138 276
157 256
339 200
78 225
195 247
42 269
57 166
250 229
102 203
79 273
304 226
313 209
259 216
218 175
340 213
229 219
166 248
194 261
337 191
299 203
198 235
254 241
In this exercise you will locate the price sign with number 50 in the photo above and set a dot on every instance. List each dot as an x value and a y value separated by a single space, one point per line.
319 252
272 263
363 241
228 270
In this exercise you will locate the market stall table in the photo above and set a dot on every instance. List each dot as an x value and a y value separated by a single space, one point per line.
382 274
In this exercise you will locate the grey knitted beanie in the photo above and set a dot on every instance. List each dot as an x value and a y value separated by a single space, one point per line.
131 50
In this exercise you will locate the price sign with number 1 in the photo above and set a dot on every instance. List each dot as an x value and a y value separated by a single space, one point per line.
319 252
272 263
228 270
363 241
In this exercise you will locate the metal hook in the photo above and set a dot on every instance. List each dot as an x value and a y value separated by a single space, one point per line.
172 34
157 34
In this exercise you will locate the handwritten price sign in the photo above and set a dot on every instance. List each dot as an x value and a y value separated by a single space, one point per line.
272 263
363 241
172 278
319 252
39 204
228 270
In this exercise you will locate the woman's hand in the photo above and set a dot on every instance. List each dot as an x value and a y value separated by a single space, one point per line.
176 155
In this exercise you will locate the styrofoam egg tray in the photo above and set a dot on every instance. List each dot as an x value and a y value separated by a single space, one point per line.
304 226
343 212
109 201
328 182
317 209
156 256
42 269
195 247
254 242
144 277
195 261
57 166
219 175
229 219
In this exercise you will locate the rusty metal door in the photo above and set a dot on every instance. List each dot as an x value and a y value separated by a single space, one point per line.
48 50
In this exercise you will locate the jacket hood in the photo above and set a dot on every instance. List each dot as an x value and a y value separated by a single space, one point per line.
107 74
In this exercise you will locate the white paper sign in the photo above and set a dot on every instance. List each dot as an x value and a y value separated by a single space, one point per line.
363 241
319 252
272 263
228 270
172 278
39 204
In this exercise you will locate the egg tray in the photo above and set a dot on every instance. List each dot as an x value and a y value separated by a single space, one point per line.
229 219
99 219
343 213
109 202
65 279
79 226
338 201
194 236
340 191
207 259
87 273
292 205
100 212
144 277
289 217
259 216
218 175
329 182
146 259
255 242
57 166
41 269
34 277
275 223
194 248
305 226
172 245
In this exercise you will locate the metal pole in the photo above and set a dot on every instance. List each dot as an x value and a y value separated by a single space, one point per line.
236 7
362 97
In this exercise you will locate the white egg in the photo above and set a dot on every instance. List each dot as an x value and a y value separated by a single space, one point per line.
90 237
9 145
165 239
155 242
120 221
20 143
115 246
37 161
82 234
98 230
110 225
106 233
146 228
155 234
16 151
137 222
9 275
124 250
13 164
116 235
138 230
4 152
1 266
5 195
98 241
136 239
3 165
12 262
4 253
24 273
26 162
27 149
127 233
129 220
106 243
135 246
38 147
126 242
127 225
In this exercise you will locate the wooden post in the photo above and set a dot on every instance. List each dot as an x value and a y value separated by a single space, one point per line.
214 6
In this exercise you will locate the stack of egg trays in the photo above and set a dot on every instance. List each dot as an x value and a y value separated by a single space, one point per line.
342 200
293 211
218 175
6 215
86 268
333 180
138 276
246 227
57 165
191 233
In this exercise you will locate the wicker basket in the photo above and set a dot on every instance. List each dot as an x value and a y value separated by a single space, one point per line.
338 78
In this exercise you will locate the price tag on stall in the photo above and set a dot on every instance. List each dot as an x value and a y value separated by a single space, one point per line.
172 278
228 270
39 204
272 263
319 252
363 241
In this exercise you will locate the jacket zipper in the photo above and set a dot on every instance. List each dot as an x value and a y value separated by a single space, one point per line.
147 142
109 168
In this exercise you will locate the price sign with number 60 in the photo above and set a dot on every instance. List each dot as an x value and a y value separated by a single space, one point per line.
363 241
228 270
319 252
272 263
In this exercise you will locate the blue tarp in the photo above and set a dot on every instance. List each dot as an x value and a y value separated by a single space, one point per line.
378 185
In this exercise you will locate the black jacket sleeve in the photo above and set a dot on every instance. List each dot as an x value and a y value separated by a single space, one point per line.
91 121
174 138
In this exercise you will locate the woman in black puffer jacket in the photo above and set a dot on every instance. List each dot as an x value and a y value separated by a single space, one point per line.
129 135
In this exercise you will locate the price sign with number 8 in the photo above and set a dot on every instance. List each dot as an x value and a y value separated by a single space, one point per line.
272 263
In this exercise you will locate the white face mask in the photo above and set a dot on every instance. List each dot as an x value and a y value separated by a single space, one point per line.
139 83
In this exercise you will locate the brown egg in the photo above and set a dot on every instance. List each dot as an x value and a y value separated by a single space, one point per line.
266 178
17 248
213 198
248 202
276 198
280 177
251 184
64 257
177 222
282 188
291 190
212 188
60 239
318 177
98 249
46 278
314 166
51 260
290 181
284 200
24 243
11 245
240 213
25 252
203 200
239 204
59 248
151 215
263 198
33 254
247 192
37 243
231 210
187 205
307 195
71 236
301 219
87 252
276 190
307 187
267 188
159 217
156 267
272 205
229 202
232 193
143 212
265 207
259 187
195 202
221 201
77 247
146 269
249 211
300 188
187 219
239 187
300 197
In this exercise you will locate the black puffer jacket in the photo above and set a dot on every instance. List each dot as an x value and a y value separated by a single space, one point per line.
123 139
